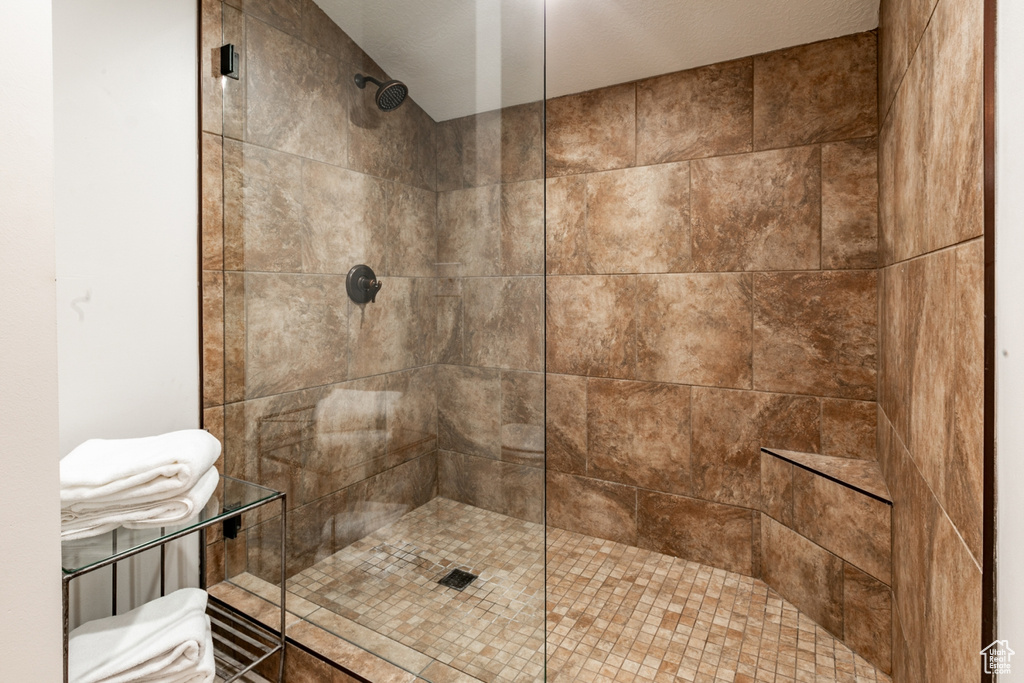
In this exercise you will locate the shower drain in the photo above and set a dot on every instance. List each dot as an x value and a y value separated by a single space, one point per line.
457 579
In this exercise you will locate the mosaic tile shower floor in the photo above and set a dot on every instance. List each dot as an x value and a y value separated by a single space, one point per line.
615 613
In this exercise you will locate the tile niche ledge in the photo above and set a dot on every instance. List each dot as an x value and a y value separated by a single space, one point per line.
826 540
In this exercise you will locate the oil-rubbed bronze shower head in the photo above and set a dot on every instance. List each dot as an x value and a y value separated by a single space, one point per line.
390 95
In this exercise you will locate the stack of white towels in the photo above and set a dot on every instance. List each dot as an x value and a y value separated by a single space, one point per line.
142 483
167 640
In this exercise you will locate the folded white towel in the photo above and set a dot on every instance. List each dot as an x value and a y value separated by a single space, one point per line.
138 470
167 640
91 519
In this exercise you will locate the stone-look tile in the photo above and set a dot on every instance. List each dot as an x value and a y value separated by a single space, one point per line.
590 326
895 350
469 230
848 428
369 640
639 434
263 209
449 348
322 33
565 217
803 573
285 15
755 545
397 145
849 204
865 475
213 422
215 569
816 93
396 331
343 220
212 202
696 113
855 527
867 617
302 667
718 535
251 605
412 412
592 507
816 333
469 151
757 211
592 131
442 673
296 97
213 338
931 335
777 489
234 337
233 92
504 322
695 329
411 231
887 226
522 142
502 487
469 410
901 24
638 220
522 228
357 660
295 331
729 428
522 418
939 131
965 474
566 423
211 96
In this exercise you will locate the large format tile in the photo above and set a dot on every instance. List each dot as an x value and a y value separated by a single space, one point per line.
638 220
855 527
695 329
296 332
411 397
697 113
848 428
803 573
591 131
503 487
233 92
211 95
522 142
297 97
566 423
469 151
895 351
816 93
213 338
522 418
565 225
411 231
590 325
710 533
900 26
469 410
469 230
777 488
522 228
729 428
757 211
504 322
849 204
867 617
816 333
212 191
592 507
399 145
394 332
639 434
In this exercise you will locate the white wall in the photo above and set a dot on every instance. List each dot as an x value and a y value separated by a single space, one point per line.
29 507
1010 328
126 230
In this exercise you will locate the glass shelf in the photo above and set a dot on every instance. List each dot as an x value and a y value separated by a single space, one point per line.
232 495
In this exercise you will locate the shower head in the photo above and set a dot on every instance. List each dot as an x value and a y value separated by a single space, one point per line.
390 94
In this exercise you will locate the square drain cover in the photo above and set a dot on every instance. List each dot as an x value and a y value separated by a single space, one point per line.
457 579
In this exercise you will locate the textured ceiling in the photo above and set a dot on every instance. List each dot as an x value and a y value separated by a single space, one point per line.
461 57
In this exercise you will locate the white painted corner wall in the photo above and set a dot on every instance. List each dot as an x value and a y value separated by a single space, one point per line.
1010 331
126 131
30 506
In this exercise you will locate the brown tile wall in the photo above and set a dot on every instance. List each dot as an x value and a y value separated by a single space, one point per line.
490 318
303 178
711 256
930 381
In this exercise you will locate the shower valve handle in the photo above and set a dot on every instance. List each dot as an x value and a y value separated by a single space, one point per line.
371 287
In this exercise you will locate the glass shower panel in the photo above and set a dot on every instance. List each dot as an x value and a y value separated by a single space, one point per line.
408 432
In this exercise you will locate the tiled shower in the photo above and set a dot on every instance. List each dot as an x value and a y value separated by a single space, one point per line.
596 311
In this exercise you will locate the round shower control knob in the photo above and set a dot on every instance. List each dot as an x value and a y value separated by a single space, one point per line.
362 284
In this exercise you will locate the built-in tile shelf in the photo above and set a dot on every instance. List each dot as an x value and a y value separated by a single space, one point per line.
826 539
